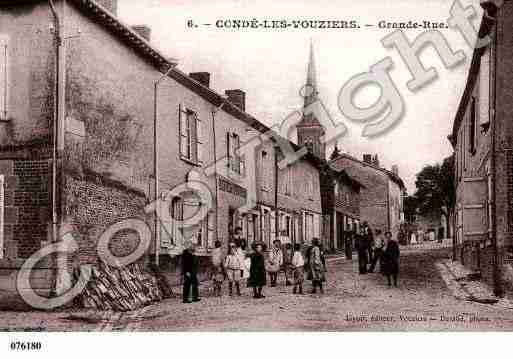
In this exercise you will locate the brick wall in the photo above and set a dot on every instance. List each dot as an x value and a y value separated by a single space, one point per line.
93 205
27 206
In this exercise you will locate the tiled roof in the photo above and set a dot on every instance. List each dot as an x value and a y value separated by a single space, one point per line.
390 174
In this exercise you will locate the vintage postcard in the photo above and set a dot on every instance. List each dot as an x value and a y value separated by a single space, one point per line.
255 166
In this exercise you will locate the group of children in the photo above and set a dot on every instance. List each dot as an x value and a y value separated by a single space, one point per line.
239 265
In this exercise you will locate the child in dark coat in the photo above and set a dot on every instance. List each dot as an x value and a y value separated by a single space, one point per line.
391 259
257 272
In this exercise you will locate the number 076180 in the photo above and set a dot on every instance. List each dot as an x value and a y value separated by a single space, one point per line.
25 346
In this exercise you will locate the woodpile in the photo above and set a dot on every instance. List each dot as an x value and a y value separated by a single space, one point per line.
120 289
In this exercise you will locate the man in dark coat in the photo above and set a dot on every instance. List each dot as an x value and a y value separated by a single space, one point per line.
348 243
257 272
367 232
362 248
190 265
390 259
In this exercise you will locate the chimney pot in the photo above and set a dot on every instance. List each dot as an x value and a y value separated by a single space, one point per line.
395 170
237 97
375 160
367 158
109 5
143 30
202 77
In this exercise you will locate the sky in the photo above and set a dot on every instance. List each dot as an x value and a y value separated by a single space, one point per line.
270 65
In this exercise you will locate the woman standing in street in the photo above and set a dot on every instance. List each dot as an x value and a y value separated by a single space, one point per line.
275 262
257 271
391 259
362 248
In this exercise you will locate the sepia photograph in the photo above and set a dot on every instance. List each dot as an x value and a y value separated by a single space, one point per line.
255 166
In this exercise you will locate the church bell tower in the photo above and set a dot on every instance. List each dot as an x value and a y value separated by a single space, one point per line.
309 129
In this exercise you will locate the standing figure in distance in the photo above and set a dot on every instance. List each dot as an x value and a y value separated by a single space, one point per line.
233 267
190 265
391 259
257 273
275 262
298 264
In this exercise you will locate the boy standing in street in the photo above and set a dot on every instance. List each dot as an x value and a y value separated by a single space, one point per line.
379 245
298 263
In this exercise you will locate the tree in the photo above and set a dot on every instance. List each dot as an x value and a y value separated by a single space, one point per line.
435 189
410 208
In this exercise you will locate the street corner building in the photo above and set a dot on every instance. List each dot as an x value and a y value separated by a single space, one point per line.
96 125
381 193
482 138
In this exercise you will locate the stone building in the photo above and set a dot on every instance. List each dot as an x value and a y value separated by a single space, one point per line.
482 141
87 103
381 198
340 195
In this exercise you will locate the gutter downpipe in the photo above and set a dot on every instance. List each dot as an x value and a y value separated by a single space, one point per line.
156 161
62 277
276 208
497 288
214 112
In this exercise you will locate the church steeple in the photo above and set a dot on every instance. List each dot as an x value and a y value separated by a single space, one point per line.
311 80
309 129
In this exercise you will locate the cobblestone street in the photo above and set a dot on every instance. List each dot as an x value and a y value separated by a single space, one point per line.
352 302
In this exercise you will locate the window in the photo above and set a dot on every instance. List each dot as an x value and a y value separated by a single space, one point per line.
285 181
250 222
205 231
473 126
170 231
266 173
309 227
190 136
2 205
309 185
3 76
195 233
285 227
485 77
234 160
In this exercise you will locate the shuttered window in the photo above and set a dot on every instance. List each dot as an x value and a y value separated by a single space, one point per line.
473 126
170 230
2 206
4 47
234 160
191 140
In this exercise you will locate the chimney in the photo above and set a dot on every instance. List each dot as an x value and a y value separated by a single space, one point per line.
395 170
367 158
143 30
109 5
237 97
202 77
375 160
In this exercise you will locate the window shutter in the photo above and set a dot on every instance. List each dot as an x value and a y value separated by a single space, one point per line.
210 229
236 146
273 227
2 206
228 150
199 139
183 130
4 42
178 216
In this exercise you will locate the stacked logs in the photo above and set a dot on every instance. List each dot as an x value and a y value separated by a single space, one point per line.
120 289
